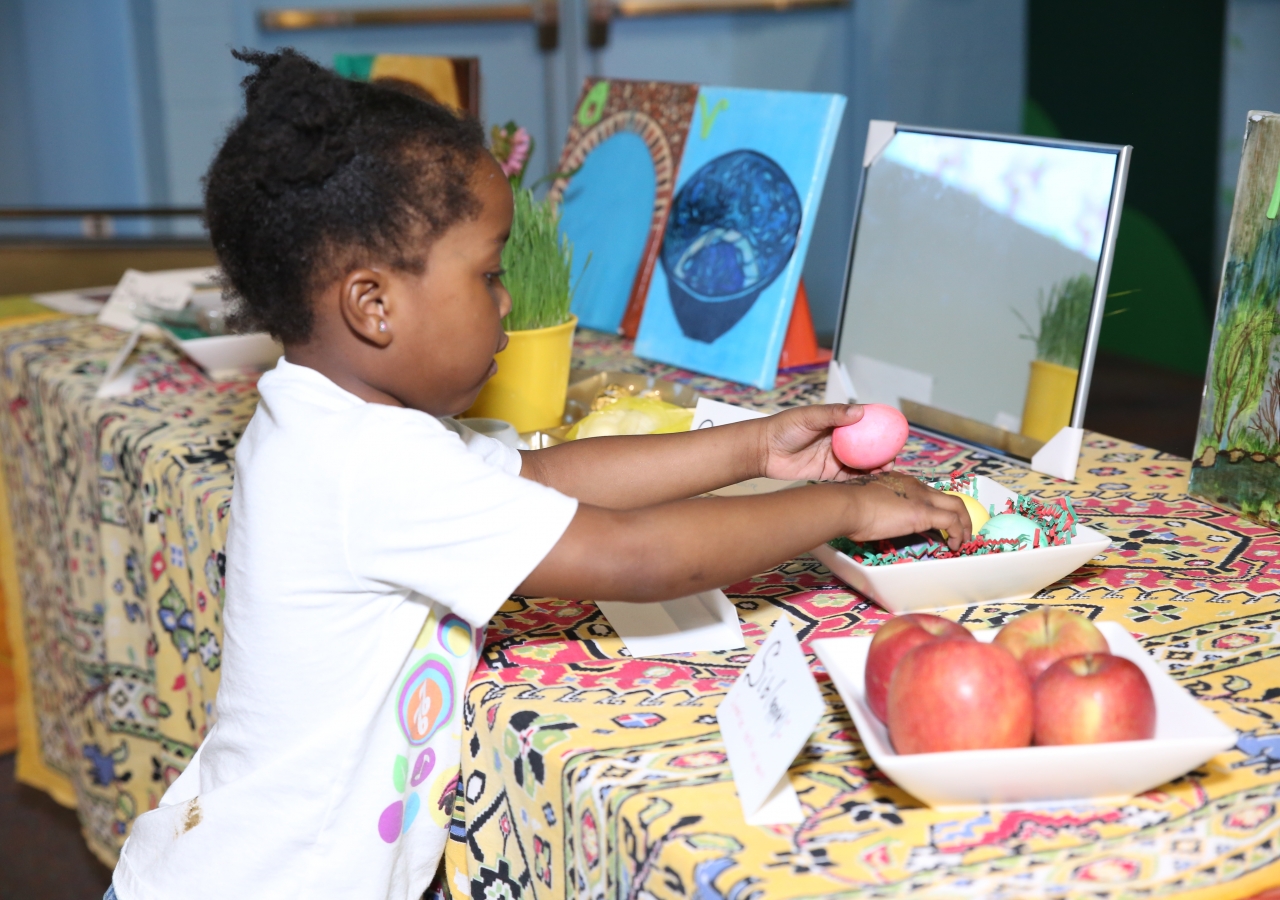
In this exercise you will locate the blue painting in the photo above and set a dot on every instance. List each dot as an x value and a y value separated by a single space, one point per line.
605 214
750 180
731 232
619 171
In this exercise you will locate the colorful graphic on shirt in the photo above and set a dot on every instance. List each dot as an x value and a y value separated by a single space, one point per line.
426 699
412 804
390 821
398 818
455 635
422 767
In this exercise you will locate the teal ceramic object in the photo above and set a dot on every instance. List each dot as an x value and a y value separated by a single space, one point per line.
1009 525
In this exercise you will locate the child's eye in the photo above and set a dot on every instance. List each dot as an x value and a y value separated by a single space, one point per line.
491 277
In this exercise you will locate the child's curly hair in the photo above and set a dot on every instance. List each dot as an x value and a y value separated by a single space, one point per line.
322 173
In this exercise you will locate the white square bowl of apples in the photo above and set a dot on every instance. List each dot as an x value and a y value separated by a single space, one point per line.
1185 733
964 580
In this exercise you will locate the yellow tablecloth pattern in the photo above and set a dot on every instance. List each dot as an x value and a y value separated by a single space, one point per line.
15 692
586 773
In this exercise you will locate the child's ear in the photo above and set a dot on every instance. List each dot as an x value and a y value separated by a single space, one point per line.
366 308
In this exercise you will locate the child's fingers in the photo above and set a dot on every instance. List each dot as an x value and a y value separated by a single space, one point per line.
952 513
828 415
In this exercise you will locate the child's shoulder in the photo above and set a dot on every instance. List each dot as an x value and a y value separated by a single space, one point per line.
300 404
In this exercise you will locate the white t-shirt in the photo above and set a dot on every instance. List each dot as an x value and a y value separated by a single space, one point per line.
367 548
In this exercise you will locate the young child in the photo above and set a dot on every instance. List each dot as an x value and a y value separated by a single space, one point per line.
371 538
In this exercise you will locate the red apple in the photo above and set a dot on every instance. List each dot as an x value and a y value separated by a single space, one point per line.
959 695
1040 638
892 641
1092 699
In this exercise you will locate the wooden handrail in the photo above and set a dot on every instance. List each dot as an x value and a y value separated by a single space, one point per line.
462 13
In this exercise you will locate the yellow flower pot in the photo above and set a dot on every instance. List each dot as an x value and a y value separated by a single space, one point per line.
1051 395
533 376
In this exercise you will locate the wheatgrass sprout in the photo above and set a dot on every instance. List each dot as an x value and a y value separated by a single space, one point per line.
1064 322
538 260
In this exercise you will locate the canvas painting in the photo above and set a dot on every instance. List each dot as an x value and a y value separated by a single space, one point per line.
451 81
622 155
1237 454
738 230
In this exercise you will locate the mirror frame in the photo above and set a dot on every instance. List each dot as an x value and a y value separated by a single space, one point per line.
1122 152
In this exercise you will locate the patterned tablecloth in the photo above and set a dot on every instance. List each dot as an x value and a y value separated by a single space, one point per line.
590 774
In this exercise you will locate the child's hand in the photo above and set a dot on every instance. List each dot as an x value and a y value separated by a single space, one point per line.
890 505
796 443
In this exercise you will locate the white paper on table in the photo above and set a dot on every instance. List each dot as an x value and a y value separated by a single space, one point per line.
877 381
76 303
1061 455
710 413
765 720
701 622
169 290
782 807
118 379
839 384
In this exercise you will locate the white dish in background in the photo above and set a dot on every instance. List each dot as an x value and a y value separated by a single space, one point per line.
1187 734
965 580
226 355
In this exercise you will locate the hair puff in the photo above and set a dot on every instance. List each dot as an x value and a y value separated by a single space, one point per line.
322 173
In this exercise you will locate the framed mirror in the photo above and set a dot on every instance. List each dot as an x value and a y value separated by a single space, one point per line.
977 280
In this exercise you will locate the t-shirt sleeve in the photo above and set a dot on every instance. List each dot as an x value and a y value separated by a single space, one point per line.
487 448
426 512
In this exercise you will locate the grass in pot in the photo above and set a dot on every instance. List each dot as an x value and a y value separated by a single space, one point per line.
533 371
1051 388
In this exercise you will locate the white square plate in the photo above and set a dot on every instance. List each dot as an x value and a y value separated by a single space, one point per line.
965 580
1187 734
223 355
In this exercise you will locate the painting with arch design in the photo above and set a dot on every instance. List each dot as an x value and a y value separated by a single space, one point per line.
625 142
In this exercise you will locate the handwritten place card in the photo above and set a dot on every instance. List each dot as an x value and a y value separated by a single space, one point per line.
765 720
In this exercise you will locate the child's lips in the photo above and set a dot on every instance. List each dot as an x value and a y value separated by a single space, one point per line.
502 344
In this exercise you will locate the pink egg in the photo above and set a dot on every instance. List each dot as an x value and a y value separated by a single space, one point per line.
872 441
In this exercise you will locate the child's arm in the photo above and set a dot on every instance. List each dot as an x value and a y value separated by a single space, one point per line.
629 472
678 548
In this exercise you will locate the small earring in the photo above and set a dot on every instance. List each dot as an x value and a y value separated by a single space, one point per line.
382 325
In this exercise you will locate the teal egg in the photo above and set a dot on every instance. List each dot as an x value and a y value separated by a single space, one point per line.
1010 525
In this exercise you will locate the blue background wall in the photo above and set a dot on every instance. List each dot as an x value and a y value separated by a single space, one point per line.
122 102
